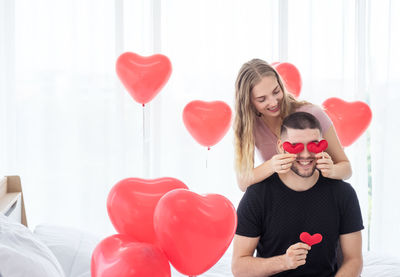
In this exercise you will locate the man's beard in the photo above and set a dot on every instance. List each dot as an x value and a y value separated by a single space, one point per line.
296 170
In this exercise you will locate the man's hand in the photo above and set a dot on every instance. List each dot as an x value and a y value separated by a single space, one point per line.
296 255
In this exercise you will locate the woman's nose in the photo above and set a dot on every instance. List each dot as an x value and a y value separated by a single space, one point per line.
272 103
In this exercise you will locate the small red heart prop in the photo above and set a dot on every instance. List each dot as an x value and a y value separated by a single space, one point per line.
317 147
350 119
120 256
207 122
143 77
290 76
194 230
293 148
131 204
310 240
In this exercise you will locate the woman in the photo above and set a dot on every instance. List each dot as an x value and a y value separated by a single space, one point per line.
261 104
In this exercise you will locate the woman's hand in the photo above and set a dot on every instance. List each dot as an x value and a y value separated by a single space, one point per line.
281 163
325 164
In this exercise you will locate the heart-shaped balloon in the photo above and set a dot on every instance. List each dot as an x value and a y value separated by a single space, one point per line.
293 148
143 77
290 76
310 240
131 203
350 119
194 230
317 147
120 256
207 122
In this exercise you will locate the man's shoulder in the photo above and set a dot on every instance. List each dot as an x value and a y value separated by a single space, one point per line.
263 185
338 186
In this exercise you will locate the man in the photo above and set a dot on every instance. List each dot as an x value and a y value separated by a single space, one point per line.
273 213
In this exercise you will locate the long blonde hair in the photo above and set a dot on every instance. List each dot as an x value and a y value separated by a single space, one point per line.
249 76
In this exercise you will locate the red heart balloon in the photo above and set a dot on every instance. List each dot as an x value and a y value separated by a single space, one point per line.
293 148
193 230
120 256
350 119
207 122
290 76
131 203
143 77
310 240
317 147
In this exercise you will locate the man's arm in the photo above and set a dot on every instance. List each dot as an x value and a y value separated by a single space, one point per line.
352 255
244 264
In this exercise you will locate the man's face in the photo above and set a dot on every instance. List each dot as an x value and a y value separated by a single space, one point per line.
305 163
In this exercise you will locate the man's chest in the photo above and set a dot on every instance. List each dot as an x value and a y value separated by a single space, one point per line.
286 217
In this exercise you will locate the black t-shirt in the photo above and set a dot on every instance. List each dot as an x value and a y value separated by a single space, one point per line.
279 215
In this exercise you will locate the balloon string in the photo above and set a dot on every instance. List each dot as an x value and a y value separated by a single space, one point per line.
207 157
144 142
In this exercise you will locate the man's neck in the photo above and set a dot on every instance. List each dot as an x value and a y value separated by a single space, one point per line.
298 183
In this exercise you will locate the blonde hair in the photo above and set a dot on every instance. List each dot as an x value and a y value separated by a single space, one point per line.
249 76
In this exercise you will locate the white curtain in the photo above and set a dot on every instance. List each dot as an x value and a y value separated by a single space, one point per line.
77 132
7 87
384 88
72 131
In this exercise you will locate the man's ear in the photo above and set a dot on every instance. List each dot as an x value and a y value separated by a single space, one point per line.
279 147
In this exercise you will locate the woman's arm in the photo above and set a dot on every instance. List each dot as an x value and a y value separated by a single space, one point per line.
280 163
335 165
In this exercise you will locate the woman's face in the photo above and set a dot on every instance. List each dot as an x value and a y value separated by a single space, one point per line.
267 97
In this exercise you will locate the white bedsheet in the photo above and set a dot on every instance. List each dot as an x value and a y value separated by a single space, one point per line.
67 243
380 265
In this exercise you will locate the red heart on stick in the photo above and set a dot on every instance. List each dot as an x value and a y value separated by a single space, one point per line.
317 147
131 204
293 148
207 122
350 119
143 77
121 256
310 240
194 230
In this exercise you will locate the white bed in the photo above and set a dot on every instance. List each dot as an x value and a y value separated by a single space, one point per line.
55 251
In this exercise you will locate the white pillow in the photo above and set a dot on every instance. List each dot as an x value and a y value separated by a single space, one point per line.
72 247
22 255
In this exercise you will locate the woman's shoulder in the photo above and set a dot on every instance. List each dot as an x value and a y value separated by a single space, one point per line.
319 113
310 108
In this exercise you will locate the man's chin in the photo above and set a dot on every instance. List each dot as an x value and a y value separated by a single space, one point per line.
304 174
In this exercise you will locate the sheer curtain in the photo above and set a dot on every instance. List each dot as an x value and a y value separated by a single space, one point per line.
72 131
7 87
384 88
77 131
